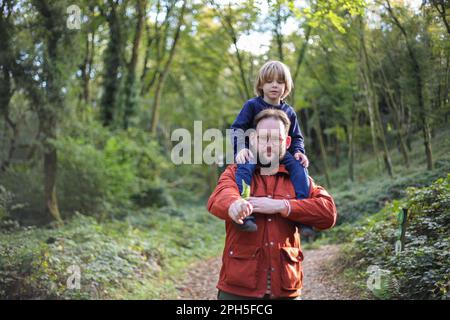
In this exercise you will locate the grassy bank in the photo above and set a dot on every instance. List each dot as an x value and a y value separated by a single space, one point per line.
367 225
142 257
422 269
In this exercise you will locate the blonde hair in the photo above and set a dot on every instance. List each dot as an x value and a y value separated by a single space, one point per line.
271 70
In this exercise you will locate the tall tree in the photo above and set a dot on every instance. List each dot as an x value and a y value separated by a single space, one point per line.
418 77
372 103
162 76
113 63
130 84
234 21
55 38
7 64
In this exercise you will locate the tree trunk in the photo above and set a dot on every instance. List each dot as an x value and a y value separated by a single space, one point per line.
386 154
50 170
337 152
394 109
163 75
130 90
323 151
303 113
351 147
48 114
370 109
372 104
7 60
112 65
227 23
277 30
85 76
86 67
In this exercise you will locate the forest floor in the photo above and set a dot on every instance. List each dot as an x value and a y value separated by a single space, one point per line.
320 281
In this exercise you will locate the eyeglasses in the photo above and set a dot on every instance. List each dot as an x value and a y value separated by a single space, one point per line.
264 140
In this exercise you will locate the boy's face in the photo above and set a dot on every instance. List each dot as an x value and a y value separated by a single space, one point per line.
274 89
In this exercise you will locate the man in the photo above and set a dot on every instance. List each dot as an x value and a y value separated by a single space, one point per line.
266 264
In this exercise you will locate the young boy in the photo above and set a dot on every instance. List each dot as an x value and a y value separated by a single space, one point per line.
273 84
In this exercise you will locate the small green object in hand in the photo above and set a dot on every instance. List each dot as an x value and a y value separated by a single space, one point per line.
245 190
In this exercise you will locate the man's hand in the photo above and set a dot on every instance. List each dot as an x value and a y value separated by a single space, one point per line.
240 209
303 159
267 205
244 155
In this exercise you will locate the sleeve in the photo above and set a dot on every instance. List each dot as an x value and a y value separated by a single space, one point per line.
224 195
296 134
319 210
242 123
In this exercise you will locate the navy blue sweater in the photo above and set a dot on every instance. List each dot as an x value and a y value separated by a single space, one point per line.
255 105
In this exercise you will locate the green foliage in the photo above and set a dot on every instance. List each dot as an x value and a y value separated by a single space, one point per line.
113 257
25 183
59 87
8 205
333 12
154 196
422 270
362 199
6 198
371 189
96 176
127 167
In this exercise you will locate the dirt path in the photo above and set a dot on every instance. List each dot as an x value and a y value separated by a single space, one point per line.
201 280
318 280
319 283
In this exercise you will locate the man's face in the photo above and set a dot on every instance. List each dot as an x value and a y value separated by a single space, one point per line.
271 141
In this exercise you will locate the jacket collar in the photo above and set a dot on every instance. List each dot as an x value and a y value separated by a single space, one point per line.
281 169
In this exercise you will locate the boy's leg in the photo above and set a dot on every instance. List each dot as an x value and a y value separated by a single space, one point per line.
299 178
298 175
244 173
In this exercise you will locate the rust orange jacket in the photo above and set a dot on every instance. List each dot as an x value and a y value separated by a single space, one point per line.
274 249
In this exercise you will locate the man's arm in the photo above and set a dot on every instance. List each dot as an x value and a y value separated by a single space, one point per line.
318 210
224 195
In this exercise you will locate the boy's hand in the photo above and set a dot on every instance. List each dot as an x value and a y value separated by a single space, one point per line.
243 156
240 209
303 159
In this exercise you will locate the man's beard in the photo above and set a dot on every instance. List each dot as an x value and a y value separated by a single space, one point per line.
264 163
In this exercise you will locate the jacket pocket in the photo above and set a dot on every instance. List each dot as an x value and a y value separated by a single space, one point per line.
287 194
242 266
291 270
